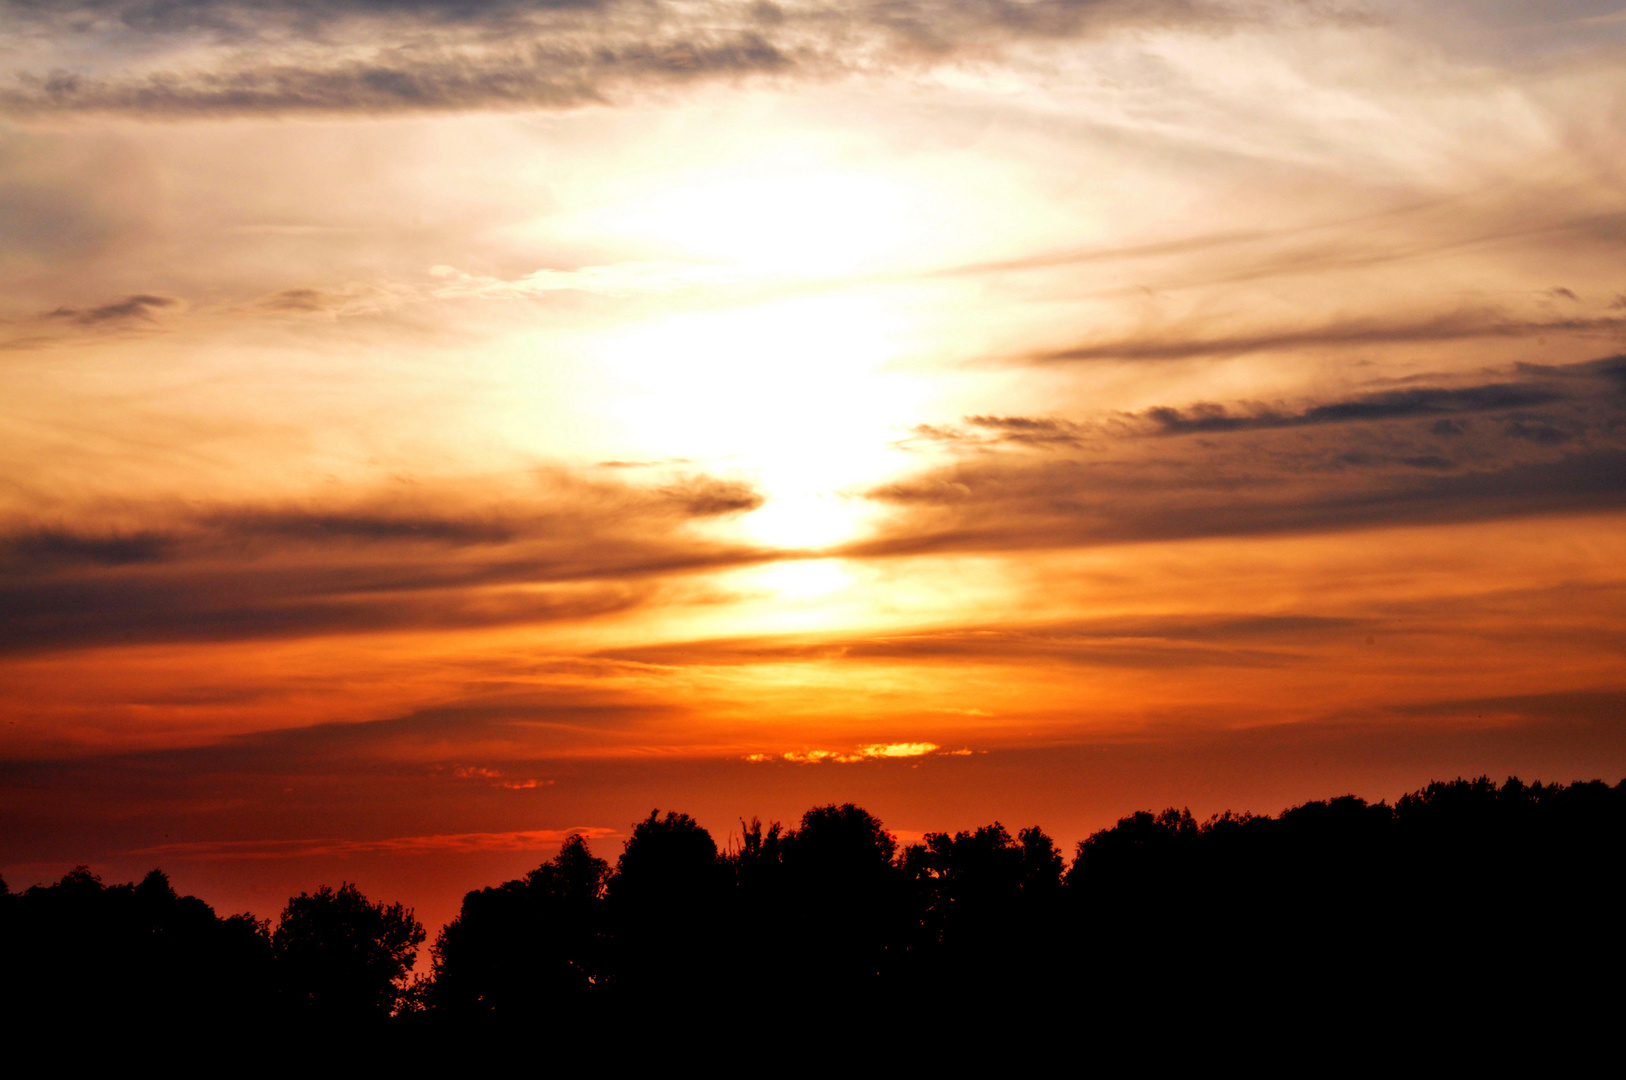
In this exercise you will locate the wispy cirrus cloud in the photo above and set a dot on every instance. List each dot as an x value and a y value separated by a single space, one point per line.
139 307
1342 334
237 56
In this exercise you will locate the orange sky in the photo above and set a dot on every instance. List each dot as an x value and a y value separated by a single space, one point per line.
431 428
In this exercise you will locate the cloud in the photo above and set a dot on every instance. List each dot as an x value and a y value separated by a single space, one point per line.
1141 642
1351 333
137 308
709 496
58 546
457 843
234 56
629 277
987 431
1538 440
578 550
1384 405
353 299
873 752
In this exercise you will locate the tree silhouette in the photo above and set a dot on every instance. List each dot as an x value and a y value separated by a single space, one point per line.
846 903
666 903
132 957
1466 910
341 957
985 905
532 945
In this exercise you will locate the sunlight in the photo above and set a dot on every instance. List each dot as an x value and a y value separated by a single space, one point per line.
794 392
803 580
804 521
789 221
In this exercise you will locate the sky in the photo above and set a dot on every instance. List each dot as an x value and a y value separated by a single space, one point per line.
432 427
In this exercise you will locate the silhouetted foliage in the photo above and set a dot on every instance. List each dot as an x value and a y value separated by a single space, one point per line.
341 957
531 945
1454 905
986 905
1465 910
132 956
846 902
666 903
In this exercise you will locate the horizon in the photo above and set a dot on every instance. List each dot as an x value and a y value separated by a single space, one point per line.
433 428
731 846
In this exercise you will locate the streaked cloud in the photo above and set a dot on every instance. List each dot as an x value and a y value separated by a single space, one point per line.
527 840
434 424
1539 440
138 307
583 548
1341 335
233 57
876 752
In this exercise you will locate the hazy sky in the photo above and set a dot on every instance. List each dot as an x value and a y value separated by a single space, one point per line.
431 426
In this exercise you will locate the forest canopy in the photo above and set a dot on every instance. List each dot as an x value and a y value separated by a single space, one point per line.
1484 885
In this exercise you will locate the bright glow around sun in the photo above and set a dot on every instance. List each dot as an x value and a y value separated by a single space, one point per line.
804 579
753 378
787 221
797 393
812 520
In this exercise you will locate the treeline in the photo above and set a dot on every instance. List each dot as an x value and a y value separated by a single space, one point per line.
1462 892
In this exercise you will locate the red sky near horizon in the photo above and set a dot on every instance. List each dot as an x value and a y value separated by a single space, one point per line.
429 429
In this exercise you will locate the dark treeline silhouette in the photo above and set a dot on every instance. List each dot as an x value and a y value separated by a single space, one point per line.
112 963
1464 902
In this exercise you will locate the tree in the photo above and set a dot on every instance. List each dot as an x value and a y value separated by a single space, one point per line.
131 957
341 957
846 901
666 903
985 904
530 945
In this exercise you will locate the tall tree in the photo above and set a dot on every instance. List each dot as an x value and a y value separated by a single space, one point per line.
341 957
530 945
666 902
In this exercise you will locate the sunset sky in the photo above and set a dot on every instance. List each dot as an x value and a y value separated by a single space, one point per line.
430 427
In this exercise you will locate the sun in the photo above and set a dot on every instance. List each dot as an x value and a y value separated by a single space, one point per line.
803 579
781 221
804 521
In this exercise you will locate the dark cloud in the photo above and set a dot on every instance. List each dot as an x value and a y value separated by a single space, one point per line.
1069 504
928 21
1545 434
520 719
312 300
54 546
995 431
450 54
1557 444
1138 642
139 307
322 527
240 572
1352 333
225 607
378 778
545 76
709 496
1385 405
1036 431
